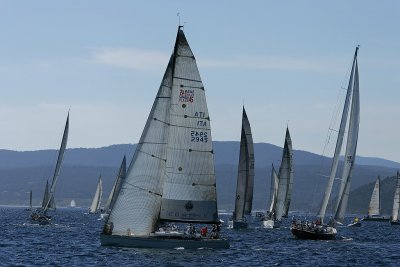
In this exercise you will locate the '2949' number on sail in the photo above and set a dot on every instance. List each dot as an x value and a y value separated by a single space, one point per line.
197 136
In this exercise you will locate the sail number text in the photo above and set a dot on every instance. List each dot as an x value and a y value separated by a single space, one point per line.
198 136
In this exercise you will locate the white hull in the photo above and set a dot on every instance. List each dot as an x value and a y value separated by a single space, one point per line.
162 242
269 224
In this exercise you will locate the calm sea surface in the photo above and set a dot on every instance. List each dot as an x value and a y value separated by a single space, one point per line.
73 239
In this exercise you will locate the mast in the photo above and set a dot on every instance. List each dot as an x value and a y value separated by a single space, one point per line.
351 148
339 142
396 200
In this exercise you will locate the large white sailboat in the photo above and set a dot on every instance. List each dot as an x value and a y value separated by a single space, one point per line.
245 177
171 178
319 229
96 202
281 187
396 203
48 202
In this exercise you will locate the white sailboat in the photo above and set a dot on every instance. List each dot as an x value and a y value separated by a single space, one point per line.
115 189
48 202
96 202
374 208
320 230
171 178
72 204
283 182
245 178
396 203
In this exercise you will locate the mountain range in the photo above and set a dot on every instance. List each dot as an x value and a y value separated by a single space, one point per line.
21 171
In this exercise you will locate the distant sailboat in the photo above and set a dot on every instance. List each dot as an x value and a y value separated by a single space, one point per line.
374 209
72 204
245 178
30 201
48 202
115 189
171 177
282 185
396 203
96 202
319 230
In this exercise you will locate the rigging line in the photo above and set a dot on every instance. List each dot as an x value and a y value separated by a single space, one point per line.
201 151
163 97
192 57
191 174
186 79
151 143
193 117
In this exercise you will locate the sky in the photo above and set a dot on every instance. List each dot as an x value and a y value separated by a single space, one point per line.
286 61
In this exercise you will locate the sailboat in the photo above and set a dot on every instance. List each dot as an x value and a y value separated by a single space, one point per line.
318 229
281 187
115 189
72 204
48 202
396 203
245 178
374 209
96 202
171 178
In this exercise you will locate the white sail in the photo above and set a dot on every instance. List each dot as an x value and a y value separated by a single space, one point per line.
116 187
288 171
374 204
51 203
137 206
189 192
396 200
72 204
97 197
245 178
285 172
249 162
351 148
339 142
273 189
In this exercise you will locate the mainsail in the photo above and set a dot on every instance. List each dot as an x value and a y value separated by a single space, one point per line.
339 143
273 190
48 199
396 200
287 170
285 178
96 202
171 176
116 187
350 153
245 178
375 205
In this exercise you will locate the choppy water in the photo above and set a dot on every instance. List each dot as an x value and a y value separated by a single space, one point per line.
73 239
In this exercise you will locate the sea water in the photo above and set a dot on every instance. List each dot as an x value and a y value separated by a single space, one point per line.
73 240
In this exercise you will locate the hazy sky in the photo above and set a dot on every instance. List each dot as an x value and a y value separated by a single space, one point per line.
285 60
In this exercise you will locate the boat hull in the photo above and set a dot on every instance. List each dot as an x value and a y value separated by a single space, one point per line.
354 224
270 224
395 222
162 242
240 225
309 234
376 219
